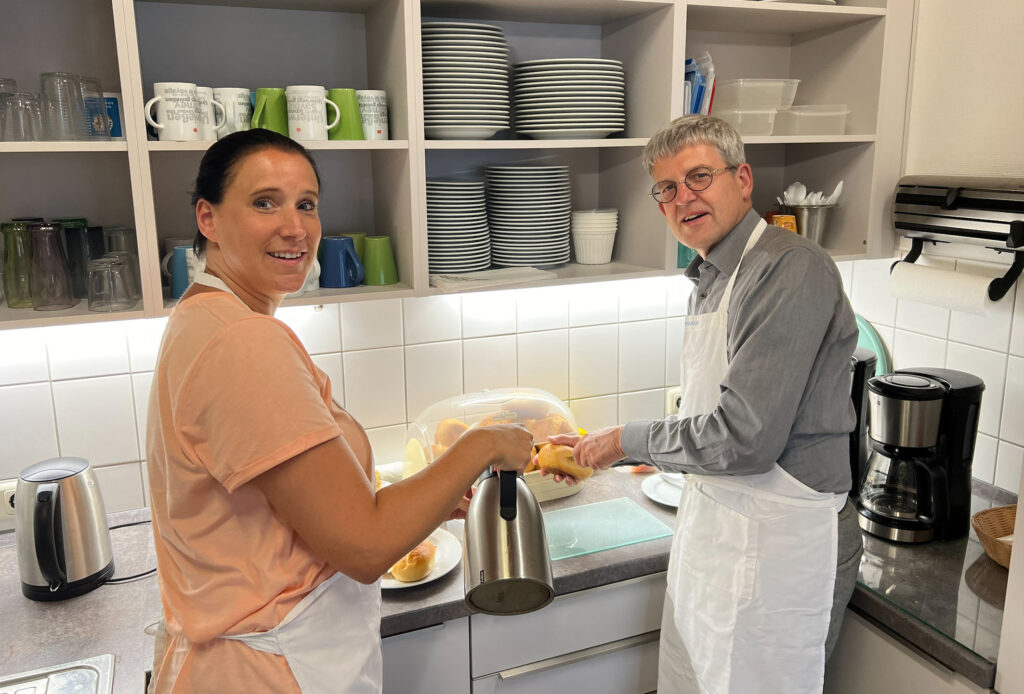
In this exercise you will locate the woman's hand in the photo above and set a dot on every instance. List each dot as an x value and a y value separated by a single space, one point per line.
510 445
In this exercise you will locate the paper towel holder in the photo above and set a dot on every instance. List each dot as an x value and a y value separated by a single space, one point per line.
999 286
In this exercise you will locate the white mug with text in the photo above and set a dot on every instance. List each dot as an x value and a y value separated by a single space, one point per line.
208 122
237 109
373 107
177 115
307 112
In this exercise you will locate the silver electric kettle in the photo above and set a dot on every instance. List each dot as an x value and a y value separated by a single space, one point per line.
60 526
507 567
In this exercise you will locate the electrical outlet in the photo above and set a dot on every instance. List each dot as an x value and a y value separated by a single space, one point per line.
7 488
672 401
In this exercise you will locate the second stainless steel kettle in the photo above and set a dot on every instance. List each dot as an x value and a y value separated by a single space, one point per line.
507 567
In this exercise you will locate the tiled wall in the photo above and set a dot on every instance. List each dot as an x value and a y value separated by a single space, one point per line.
610 350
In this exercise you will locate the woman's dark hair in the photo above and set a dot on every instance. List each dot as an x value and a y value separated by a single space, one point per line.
218 166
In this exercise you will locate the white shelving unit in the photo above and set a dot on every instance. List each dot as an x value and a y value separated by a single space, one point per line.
855 53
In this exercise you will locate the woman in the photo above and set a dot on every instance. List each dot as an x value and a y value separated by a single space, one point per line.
270 537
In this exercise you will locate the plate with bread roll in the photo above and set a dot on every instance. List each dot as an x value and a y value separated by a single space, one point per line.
432 559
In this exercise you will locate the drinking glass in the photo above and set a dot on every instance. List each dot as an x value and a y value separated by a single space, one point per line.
95 109
17 264
21 119
108 285
49 278
81 245
119 238
8 85
63 106
131 262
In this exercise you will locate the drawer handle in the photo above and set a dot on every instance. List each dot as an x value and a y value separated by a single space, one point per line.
576 656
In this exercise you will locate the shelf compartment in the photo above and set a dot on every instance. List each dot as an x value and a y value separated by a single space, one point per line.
362 190
772 18
360 45
643 35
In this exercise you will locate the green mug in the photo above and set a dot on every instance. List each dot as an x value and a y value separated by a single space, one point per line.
379 262
350 125
271 110
359 239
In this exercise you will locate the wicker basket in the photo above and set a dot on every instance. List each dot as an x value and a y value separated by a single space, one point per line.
993 523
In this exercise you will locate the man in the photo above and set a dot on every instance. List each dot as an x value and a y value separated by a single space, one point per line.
766 547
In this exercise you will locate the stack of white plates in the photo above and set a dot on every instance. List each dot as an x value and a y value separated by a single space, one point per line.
465 80
458 239
593 235
528 209
569 98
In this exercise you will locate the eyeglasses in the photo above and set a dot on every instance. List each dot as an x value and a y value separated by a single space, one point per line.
696 180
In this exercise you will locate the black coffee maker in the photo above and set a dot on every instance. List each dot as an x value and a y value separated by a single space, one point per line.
923 425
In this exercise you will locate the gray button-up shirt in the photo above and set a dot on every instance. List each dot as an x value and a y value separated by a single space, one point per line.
786 394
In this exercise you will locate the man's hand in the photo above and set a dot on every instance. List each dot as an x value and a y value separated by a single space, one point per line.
597 449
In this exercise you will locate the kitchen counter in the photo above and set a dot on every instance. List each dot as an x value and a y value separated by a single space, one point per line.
927 595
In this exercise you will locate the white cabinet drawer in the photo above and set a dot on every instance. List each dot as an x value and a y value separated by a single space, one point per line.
428 661
629 666
570 623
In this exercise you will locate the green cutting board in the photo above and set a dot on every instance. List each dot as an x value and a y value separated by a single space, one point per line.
580 530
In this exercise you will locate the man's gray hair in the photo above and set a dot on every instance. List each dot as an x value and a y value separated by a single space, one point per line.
695 130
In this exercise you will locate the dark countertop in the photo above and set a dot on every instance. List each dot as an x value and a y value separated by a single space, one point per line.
911 594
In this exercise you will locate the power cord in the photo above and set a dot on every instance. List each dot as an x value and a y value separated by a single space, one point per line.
135 577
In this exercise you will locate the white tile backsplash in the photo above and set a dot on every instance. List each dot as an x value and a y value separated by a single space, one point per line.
316 326
641 355
530 337
542 309
27 427
96 419
913 349
990 367
388 443
81 351
489 363
1009 462
371 324
433 372
144 342
871 296
488 313
595 413
141 385
593 361
24 356
643 404
121 486
432 319
544 361
593 304
375 386
643 299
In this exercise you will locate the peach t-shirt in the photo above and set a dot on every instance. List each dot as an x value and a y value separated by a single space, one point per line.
234 393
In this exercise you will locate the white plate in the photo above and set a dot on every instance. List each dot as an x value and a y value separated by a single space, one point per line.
554 62
461 132
449 554
460 26
570 134
657 489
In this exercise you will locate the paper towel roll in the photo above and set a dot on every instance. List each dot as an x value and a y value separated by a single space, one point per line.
959 291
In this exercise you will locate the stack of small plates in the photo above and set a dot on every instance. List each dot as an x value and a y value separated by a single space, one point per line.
465 80
458 239
528 209
569 98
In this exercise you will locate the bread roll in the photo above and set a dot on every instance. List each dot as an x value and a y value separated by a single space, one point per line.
448 430
377 479
560 459
415 565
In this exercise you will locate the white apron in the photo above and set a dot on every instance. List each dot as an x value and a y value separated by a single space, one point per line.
331 639
752 567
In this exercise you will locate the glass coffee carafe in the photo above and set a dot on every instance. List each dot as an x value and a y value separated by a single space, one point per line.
903 488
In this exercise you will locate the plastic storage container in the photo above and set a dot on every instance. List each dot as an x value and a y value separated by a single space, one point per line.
441 424
748 122
754 95
812 120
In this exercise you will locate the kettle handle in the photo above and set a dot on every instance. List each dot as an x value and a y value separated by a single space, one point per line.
44 525
507 494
